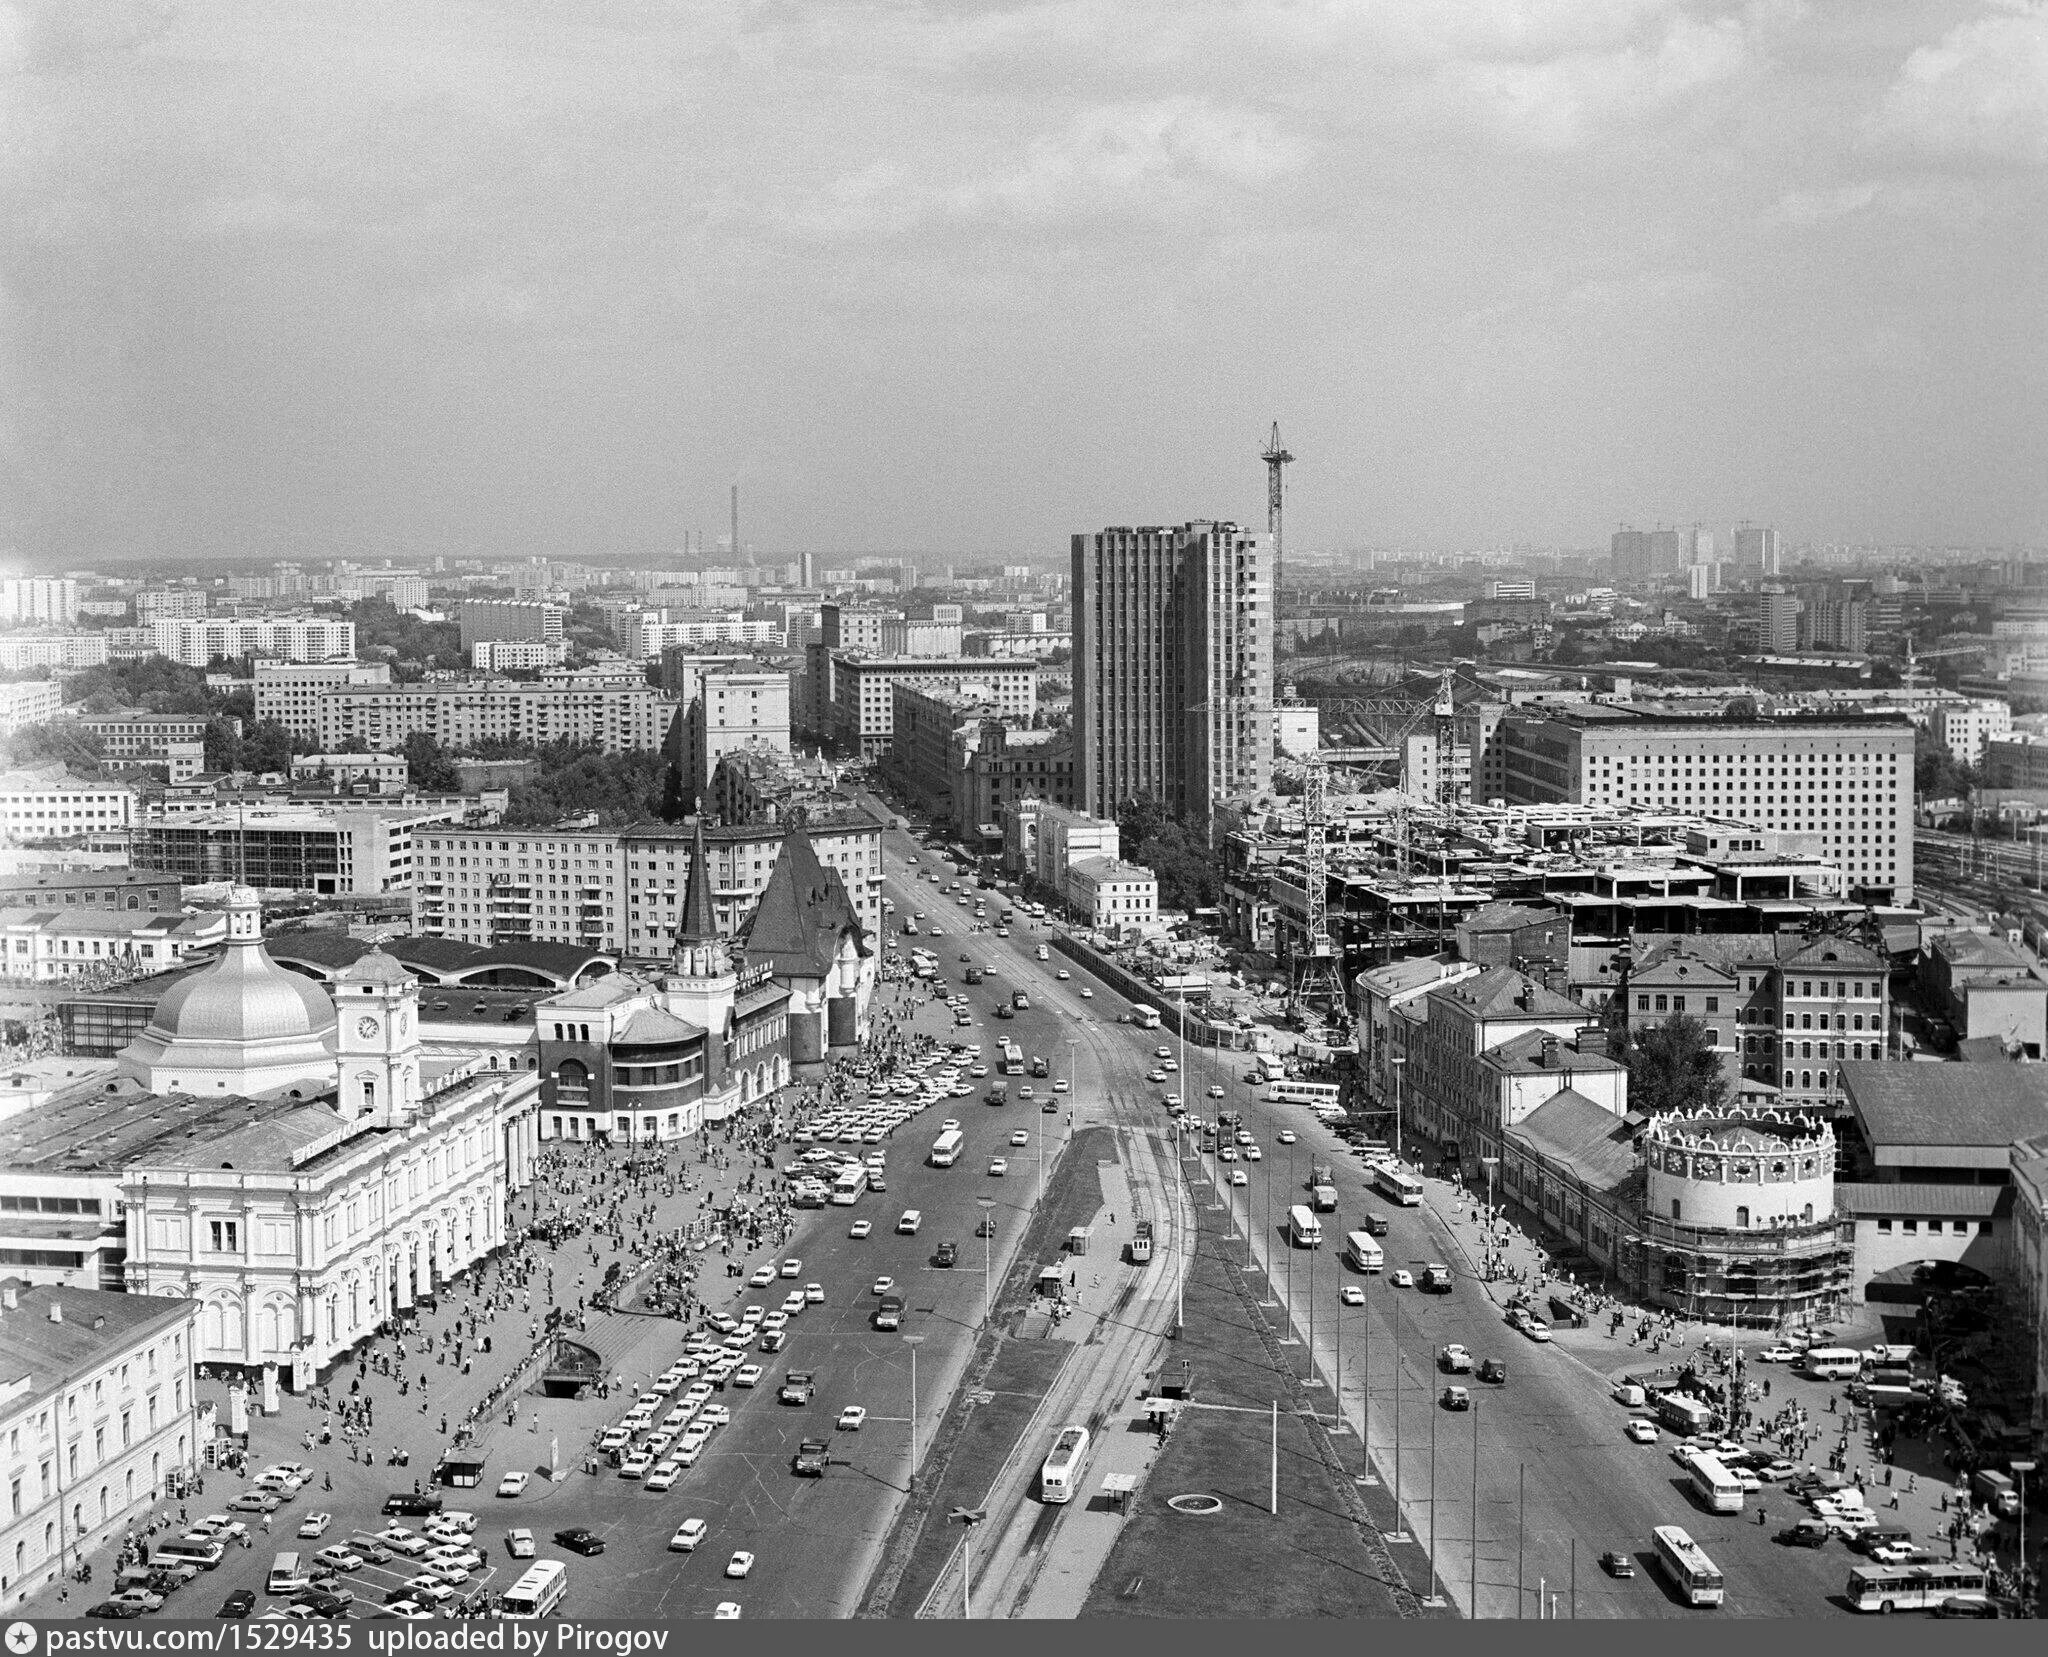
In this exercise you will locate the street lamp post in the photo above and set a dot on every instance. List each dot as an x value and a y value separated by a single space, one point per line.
1399 1061
988 1236
969 1517
1400 1386
1486 1229
1472 1590
1434 1597
912 1341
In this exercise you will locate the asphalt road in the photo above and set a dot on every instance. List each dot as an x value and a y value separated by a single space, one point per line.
1554 1469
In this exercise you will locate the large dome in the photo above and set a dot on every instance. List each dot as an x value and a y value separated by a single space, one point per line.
243 1025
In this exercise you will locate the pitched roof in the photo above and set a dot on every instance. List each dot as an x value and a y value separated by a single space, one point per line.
803 915
1502 992
699 924
1524 1053
1573 1133
1981 1105
650 1026
1921 1200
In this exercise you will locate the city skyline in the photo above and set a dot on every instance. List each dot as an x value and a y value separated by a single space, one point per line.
523 280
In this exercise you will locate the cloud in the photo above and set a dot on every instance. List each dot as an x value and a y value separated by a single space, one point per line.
1803 207
1980 92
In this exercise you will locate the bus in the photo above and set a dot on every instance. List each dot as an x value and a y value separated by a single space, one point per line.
538 1593
1887 1588
946 1148
1832 1363
1146 1018
1364 1254
1013 1059
1318 1096
1717 1488
1396 1185
846 1189
1691 1572
1270 1068
1061 1474
1304 1230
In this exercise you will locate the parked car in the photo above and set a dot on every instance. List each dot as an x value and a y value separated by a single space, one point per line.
580 1540
1616 1563
519 1543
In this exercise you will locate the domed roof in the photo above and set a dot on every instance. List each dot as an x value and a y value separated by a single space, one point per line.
245 995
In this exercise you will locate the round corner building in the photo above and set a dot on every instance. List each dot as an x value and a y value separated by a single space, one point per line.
1738 1218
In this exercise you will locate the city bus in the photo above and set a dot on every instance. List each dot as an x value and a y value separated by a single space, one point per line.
846 1189
1060 1476
1691 1572
1318 1096
538 1593
1396 1185
1304 1230
946 1148
1364 1254
1013 1059
1887 1588
1146 1018
1832 1363
1717 1489
1270 1068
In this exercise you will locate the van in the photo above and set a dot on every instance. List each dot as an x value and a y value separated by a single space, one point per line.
287 1576
1377 1225
1628 1395
907 1226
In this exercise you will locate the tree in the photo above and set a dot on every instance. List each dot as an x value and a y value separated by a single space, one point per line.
1672 1067
1176 851
428 765
1936 774
81 751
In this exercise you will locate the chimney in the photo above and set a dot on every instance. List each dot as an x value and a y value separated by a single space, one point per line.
9 1299
56 1311
1550 1052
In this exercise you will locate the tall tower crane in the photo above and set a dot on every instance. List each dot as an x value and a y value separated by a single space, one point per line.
1275 458
1318 981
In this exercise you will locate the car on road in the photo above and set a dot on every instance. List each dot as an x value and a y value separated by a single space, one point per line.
688 1535
907 1226
860 1228
1227 1154
1020 1137
315 1524
728 1611
1352 1295
1641 1429
978 1072
1615 1563
402 1541
519 1543
763 1276
1239 1177
1050 1107
740 1563
851 1417
1086 993
1403 1279
779 1318
238 1604
998 1166
812 1457
1807 1533
797 1387
882 1285
1455 1398
1535 1328
1059 1084
1779 1355
1495 1371
1253 1154
1287 1136
512 1483
577 1539
635 1466
1155 1075
1454 1359
1162 1052
948 1255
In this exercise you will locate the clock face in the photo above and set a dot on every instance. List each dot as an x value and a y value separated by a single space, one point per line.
366 1028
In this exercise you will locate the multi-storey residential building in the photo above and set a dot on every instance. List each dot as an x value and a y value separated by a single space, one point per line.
502 655
330 850
1777 623
459 715
1963 728
156 604
25 702
99 1419
88 889
486 619
1846 780
290 692
1109 895
46 802
905 637
1834 623
864 710
650 634
1756 550
1173 666
732 711
295 638
21 651
401 589
1784 1008
53 603
623 890
931 727
1063 837
1004 765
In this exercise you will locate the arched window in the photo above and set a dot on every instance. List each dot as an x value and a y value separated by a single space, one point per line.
1742 1219
1788 1078
572 1082
1806 1214
1806 1080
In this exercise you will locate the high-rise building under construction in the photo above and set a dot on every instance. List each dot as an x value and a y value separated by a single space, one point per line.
1173 666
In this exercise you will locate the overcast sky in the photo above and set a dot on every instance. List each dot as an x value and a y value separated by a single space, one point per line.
547 276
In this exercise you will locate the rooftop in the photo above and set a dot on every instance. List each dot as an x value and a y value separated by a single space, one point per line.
95 1323
1984 1106
1572 1132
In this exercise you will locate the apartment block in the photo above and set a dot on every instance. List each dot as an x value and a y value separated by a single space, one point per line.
650 635
903 637
2016 762
290 692
934 729
1065 837
1007 765
485 620
623 891
155 604
332 850
1777 623
731 711
502 655
21 651
1757 550
1963 728
1845 780
25 702
1173 666
46 802
195 643
864 690
460 714
1109 896
52 603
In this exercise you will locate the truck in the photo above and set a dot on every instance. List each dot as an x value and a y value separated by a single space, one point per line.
1321 1173
1995 1490
1436 1279
974 975
797 1387
889 1315
1141 1243
811 1458
1682 1412
1039 1067
1325 1199
1020 1001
